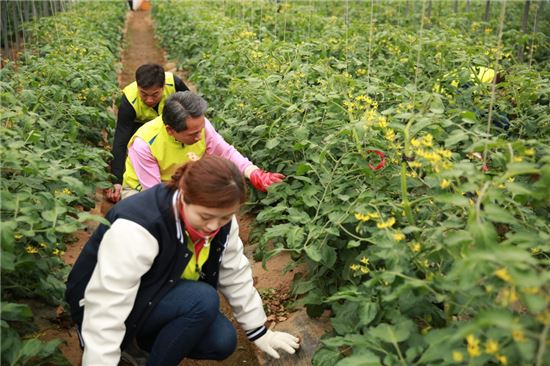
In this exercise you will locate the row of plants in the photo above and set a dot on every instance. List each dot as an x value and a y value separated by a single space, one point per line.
436 253
54 111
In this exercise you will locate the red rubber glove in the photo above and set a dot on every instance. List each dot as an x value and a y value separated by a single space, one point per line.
261 179
382 160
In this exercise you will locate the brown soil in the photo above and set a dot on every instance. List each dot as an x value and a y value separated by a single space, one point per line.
140 48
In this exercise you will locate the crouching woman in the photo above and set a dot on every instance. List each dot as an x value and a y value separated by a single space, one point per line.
151 276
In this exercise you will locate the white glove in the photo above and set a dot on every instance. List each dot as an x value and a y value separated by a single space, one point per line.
271 341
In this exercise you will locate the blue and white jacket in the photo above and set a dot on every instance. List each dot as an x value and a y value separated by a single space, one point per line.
125 269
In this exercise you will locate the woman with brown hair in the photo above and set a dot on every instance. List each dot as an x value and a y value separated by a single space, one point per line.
151 276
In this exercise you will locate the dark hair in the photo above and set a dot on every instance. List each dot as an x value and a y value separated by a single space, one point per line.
150 75
181 105
211 181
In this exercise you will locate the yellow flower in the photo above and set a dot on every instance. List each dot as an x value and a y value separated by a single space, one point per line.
473 346
491 346
30 249
416 247
382 122
503 274
18 236
364 260
531 290
390 134
502 359
398 236
518 335
529 152
458 356
415 164
507 296
354 267
517 159
445 183
415 142
544 317
535 250
427 140
386 224
373 215
364 269
361 217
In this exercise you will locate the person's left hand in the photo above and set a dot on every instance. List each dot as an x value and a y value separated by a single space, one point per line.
271 341
261 180
113 194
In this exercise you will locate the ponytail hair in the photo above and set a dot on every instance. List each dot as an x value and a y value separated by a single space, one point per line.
212 182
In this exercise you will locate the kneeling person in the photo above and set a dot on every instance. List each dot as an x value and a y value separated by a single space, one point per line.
151 276
180 135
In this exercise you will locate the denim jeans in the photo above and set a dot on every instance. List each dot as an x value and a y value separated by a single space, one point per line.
187 322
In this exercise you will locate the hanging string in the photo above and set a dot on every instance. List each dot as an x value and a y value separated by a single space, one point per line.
494 83
533 34
261 20
284 23
309 23
371 31
420 37
347 35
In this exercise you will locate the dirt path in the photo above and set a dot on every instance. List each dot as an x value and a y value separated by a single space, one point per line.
140 47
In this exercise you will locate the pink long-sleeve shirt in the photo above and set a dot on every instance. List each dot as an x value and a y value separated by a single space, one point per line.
147 169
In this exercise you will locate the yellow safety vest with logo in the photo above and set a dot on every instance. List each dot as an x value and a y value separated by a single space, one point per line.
169 152
144 113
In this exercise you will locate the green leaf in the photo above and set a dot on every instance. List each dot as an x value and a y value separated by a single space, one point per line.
498 214
392 333
367 312
455 137
420 125
49 215
86 216
19 312
295 237
437 106
303 168
360 357
326 357
67 228
272 143
30 348
484 233
518 189
458 237
313 252
8 261
453 199
521 168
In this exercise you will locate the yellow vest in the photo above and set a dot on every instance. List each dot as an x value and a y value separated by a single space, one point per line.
190 272
144 113
169 152
484 75
478 74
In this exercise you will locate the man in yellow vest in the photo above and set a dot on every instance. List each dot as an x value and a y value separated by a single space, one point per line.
142 101
182 133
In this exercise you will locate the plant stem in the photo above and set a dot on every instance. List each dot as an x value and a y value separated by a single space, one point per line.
542 344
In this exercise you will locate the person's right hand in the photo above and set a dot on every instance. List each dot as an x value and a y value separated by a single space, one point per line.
272 341
113 194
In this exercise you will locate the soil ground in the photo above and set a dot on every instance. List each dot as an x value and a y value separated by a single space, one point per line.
141 47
